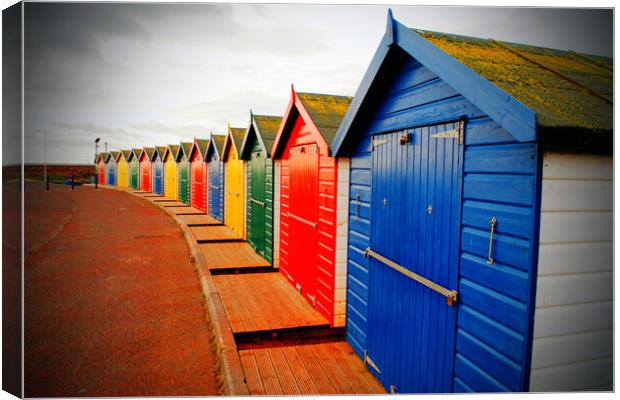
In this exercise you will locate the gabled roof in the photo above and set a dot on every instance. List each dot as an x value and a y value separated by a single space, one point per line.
525 89
125 154
149 151
201 145
234 137
159 151
184 148
217 144
173 149
102 156
262 127
113 155
324 111
135 153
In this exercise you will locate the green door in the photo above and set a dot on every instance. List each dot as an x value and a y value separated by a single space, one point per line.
184 181
258 202
135 171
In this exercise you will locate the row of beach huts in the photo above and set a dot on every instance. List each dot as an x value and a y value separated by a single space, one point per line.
455 215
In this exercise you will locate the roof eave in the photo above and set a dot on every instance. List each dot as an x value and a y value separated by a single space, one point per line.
516 118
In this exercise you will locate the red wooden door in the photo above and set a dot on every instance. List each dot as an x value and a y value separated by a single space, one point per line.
198 183
303 217
145 175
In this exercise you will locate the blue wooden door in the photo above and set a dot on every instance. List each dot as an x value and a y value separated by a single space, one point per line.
416 199
158 177
215 189
111 174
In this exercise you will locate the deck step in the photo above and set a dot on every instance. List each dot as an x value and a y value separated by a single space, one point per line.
265 302
199 220
231 255
307 369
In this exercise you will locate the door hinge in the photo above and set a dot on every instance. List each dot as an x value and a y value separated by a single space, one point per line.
312 299
378 142
456 133
368 361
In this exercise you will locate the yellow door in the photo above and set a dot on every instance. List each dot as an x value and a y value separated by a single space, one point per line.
235 195
170 174
123 176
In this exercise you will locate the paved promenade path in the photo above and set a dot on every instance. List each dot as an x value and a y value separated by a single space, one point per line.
112 303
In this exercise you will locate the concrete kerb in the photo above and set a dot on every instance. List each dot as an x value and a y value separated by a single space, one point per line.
230 363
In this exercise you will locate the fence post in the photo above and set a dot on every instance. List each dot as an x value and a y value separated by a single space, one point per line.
47 183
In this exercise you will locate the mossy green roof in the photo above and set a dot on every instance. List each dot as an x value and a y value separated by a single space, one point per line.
174 150
326 111
136 153
184 148
103 156
202 145
564 88
218 142
126 154
267 126
149 152
113 155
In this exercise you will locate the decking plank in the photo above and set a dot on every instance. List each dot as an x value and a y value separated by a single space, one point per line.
336 376
264 301
304 380
317 373
231 255
213 233
184 210
199 220
288 380
252 373
357 366
267 372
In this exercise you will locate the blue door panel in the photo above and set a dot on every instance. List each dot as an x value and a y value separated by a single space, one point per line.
216 190
415 223
158 177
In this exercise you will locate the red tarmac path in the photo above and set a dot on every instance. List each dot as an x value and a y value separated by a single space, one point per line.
112 303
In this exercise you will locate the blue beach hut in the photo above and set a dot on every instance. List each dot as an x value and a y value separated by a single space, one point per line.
216 176
480 215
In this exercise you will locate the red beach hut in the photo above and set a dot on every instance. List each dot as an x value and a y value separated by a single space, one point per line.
313 201
101 168
146 175
198 174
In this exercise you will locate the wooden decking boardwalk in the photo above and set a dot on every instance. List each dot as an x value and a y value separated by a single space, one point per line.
307 369
166 200
214 233
231 255
169 203
199 220
184 210
258 302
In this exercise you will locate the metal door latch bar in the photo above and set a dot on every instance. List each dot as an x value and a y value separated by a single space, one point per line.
451 295
493 223
357 205
378 142
260 203
300 219
234 193
216 187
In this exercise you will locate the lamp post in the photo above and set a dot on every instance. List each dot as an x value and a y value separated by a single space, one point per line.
96 152
45 182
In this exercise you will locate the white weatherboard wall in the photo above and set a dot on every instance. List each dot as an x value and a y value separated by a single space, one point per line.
342 229
276 214
573 338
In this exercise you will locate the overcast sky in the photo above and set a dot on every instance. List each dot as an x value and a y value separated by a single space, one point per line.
149 74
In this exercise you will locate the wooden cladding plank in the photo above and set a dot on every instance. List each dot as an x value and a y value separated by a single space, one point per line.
577 166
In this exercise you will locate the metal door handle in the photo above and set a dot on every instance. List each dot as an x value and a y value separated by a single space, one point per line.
357 205
451 295
300 219
490 259
260 203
